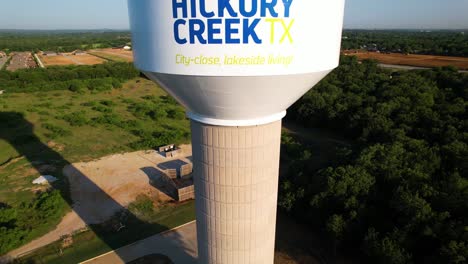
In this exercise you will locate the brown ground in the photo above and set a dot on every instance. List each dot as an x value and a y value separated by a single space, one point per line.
21 60
411 59
55 60
87 59
69 59
103 187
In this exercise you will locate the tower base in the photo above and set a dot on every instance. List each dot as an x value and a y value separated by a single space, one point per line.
236 188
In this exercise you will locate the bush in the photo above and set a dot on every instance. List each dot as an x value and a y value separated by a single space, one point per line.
76 118
56 131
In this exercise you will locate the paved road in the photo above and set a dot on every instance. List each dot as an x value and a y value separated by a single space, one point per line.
179 244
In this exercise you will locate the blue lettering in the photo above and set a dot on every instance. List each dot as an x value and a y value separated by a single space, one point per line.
176 5
249 30
196 31
212 31
193 8
287 7
203 10
230 30
244 12
176 31
270 6
225 4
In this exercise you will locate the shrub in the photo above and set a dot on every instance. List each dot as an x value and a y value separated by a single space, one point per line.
76 118
56 131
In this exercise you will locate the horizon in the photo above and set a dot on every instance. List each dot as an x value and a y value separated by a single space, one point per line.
113 15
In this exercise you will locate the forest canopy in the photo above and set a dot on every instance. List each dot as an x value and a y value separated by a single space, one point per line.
443 43
400 194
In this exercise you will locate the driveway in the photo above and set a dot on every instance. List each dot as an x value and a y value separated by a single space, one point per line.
179 244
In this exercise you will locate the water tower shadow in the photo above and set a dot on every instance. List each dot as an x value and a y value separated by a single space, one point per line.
158 180
122 229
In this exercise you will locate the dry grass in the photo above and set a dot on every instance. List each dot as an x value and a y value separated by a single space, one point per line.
88 59
70 59
126 55
55 60
412 60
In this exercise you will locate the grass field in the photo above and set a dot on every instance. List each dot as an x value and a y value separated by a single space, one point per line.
46 110
70 59
114 54
428 61
42 132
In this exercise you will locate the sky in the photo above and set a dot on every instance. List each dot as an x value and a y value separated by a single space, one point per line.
112 14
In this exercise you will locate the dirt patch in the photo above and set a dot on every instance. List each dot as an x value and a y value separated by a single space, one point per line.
21 60
87 59
70 59
103 187
56 60
412 59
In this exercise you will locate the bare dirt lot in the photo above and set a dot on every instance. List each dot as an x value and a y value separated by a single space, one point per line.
70 59
101 188
21 60
411 59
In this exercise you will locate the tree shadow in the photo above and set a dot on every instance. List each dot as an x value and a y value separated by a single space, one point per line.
19 132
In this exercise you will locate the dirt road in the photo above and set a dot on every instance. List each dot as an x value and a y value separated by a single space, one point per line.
70 223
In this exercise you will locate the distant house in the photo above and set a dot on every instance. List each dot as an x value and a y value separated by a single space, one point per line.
127 48
49 53
79 52
2 92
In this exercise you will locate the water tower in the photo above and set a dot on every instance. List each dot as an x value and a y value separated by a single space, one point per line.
236 65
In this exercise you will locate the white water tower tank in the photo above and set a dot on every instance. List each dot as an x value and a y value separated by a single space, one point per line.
236 65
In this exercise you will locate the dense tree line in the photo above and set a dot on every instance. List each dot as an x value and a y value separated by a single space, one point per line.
75 78
400 195
60 41
444 43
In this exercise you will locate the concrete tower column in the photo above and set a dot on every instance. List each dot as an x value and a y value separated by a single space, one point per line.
236 185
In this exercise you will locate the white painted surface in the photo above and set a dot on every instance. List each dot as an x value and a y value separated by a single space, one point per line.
304 37
231 123
236 186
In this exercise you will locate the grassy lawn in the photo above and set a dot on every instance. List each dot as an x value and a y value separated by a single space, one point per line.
88 244
41 132
109 57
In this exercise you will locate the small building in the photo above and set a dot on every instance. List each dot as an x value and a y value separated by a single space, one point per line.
79 52
127 48
2 92
49 53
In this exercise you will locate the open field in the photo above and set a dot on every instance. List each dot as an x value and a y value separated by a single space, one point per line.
412 60
21 60
70 59
114 54
42 132
101 188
